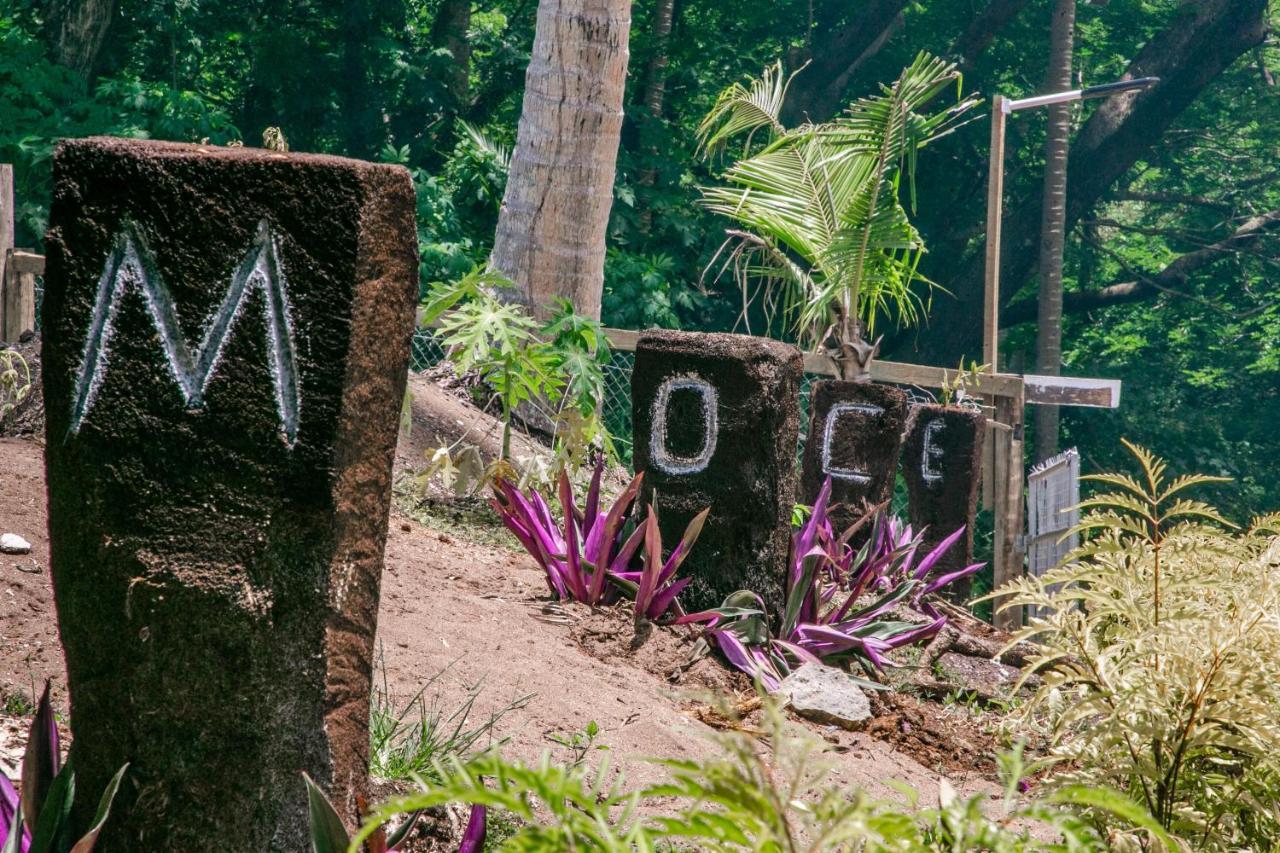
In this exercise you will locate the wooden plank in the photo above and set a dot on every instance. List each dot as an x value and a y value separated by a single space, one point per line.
19 302
1072 391
622 339
6 208
987 494
27 262
6 241
895 373
991 292
1009 487
995 198
935 377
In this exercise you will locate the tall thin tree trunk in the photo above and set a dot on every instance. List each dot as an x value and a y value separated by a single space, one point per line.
1053 219
362 115
655 88
551 230
76 30
449 30
655 81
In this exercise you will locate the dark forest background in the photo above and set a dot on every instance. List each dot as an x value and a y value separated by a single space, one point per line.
1173 242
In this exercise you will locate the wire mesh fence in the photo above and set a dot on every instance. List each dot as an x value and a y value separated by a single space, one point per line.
427 351
39 298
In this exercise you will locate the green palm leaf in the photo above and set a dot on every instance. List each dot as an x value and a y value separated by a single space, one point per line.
821 228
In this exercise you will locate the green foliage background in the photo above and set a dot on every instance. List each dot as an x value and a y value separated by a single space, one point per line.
1201 367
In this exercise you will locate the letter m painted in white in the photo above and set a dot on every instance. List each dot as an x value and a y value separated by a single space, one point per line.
130 265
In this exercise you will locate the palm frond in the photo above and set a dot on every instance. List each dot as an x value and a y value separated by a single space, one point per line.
500 153
830 196
745 109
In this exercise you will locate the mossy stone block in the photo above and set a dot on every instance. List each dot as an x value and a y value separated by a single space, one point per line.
225 351
716 424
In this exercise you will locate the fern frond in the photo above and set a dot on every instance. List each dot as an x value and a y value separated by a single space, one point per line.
1187 481
1153 467
1122 481
1184 508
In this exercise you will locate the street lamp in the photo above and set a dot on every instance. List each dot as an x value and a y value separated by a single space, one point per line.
1001 107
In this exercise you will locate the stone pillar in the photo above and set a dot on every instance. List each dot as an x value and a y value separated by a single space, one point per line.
942 464
225 350
716 423
855 434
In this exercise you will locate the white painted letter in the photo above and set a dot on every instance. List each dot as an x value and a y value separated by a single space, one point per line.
931 461
129 264
663 459
836 412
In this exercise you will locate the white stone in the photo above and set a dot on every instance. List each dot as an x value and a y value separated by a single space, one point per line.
825 694
12 543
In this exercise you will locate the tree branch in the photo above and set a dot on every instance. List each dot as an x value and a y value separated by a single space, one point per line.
983 29
1172 198
1168 280
838 52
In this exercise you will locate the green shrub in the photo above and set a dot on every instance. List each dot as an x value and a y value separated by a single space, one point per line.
555 368
775 792
15 380
1161 660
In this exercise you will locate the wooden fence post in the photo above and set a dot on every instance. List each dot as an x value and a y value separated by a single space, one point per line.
6 244
1008 488
17 270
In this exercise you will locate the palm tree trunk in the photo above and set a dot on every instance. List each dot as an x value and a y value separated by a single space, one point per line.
1053 220
551 230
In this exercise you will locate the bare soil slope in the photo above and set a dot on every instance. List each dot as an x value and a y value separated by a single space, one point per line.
481 613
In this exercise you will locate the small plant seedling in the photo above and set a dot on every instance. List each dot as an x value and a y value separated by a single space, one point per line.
17 704
15 380
955 389
579 743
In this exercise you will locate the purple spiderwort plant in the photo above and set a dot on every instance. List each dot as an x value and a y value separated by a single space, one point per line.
477 827
594 555
33 814
840 602
329 835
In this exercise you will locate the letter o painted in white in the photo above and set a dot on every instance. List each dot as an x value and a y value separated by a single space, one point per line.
663 459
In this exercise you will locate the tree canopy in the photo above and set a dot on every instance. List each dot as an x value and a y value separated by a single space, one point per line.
1173 200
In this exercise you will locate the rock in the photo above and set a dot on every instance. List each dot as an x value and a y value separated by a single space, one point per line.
717 417
855 434
826 694
226 344
12 543
988 680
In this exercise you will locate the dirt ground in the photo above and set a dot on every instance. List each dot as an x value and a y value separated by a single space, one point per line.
479 617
